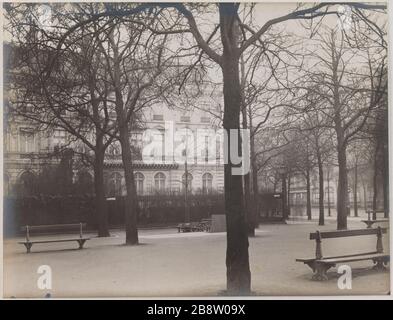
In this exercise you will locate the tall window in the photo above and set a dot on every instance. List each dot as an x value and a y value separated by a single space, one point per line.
59 136
139 179
159 181
206 147
207 183
114 149
159 139
26 140
220 149
136 145
188 182
115 184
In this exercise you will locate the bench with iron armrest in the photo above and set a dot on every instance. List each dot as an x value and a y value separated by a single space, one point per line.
369 222
189 227
320 265
374 214
28 243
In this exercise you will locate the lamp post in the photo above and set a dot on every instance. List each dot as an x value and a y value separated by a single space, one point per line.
328 195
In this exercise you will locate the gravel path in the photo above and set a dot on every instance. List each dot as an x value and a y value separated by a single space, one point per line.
167 263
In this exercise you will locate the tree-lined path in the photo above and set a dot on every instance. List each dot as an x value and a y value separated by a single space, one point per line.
171 264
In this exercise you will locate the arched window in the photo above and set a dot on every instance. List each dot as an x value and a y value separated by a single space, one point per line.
139 179
188 182
159 181
26 140
114 150
159 140
207 183
115 184
27 184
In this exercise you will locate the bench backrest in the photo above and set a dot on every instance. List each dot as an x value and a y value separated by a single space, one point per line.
373 213
70 226
346 233
318 236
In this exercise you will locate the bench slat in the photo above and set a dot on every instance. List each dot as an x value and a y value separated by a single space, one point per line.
350 259
57 240
346 233
334 257
53 226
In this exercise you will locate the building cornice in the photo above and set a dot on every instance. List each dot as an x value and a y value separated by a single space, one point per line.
141 166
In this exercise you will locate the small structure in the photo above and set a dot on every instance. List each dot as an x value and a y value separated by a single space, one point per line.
270 207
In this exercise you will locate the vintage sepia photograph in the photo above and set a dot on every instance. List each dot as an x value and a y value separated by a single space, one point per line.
195 149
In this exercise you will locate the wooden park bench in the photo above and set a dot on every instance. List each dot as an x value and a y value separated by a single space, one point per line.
320 264
369 222
203 225
189 227
28 243
206 224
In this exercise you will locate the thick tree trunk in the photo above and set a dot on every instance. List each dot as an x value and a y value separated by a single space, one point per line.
131 201
365 196
342 190
237 259
248 206
248 210
254 174
289 196
126 154
255 191
284 196
328 195
375 181
308 188
321 192
385 175
99 155
355 191
102 214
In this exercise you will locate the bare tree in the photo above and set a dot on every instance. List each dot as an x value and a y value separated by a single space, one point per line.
234 39
74 100
135 65
351 93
